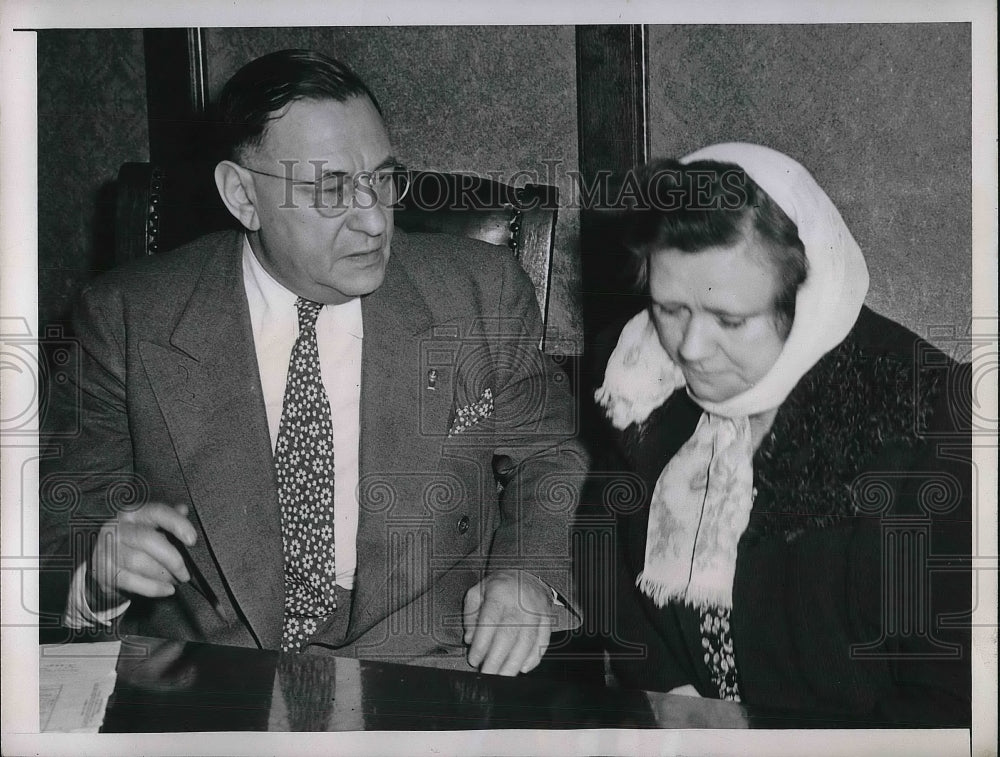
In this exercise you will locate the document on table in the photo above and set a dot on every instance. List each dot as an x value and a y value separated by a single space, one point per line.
74 684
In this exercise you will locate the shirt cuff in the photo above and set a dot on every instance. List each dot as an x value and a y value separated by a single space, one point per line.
78 613
565 617
555 597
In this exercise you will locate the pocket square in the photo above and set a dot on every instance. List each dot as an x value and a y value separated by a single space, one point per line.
470 415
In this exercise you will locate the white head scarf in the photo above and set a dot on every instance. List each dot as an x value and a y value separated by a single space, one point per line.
702 499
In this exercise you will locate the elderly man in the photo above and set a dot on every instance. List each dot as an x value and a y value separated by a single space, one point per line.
305 481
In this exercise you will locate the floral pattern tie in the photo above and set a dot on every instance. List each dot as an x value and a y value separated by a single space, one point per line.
303 461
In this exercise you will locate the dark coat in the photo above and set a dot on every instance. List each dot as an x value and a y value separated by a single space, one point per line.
172 411
856 551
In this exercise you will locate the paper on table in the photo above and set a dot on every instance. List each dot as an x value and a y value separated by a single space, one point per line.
74 684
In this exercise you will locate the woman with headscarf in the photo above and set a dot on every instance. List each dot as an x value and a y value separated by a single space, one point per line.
800 532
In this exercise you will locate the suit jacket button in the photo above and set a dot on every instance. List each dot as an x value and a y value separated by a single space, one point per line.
463 524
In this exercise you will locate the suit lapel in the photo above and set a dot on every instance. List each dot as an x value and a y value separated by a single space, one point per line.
404 413
208 389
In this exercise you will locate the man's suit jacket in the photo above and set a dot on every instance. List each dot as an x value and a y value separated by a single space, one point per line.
171 410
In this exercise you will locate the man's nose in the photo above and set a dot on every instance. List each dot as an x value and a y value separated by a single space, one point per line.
697 342
367 214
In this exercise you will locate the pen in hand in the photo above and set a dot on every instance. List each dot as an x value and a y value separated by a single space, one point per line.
198 578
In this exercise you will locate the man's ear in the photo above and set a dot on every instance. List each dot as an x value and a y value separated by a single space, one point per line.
236 189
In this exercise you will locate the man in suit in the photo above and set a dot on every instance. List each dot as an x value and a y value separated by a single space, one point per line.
331 436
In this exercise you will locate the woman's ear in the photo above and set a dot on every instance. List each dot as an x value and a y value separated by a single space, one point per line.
236 188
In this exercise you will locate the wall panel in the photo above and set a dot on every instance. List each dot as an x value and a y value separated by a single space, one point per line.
881 115
91 119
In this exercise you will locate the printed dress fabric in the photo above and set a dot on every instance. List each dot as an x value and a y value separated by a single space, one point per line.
717 641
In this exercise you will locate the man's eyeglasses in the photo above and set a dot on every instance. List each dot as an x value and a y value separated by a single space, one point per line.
335 193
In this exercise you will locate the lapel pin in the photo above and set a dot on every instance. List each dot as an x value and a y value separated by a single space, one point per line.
432 378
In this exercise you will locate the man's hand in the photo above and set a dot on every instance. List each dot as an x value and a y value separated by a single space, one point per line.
134 554
508 622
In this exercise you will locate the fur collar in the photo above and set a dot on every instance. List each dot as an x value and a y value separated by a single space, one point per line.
856 410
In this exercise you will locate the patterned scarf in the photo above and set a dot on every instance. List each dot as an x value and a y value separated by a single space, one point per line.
702 499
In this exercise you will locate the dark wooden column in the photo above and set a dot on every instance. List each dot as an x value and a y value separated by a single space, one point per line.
182 145
175 94
612 101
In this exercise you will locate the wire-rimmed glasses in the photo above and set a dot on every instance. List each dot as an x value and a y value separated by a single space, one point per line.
335 192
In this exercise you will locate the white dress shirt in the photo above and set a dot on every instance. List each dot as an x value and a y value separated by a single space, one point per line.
339 334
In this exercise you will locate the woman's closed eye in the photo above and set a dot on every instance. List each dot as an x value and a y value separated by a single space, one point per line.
730 322
669 311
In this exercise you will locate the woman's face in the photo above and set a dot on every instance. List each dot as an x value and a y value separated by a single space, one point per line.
714 314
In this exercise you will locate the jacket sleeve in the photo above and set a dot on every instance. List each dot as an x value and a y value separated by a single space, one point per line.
871 615
87 475
537 459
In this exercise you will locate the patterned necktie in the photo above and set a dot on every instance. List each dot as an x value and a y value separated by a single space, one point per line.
303 461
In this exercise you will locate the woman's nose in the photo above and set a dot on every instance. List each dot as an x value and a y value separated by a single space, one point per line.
697 342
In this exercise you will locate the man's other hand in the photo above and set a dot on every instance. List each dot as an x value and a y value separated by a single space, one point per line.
134 554
508 622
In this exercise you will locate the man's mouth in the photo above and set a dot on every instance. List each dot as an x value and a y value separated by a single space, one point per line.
365 255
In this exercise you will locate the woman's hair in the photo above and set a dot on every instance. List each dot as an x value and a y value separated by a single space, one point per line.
266 85
695 206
